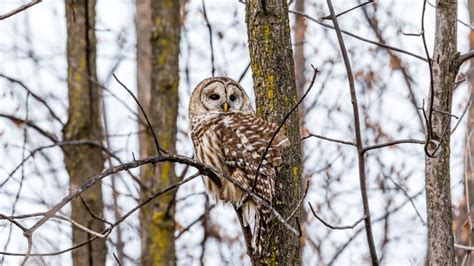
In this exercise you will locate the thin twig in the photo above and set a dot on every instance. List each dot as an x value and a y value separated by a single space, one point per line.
297 207
257 173
19 9
349 10
459 246
469 102
460 21
336 227
34 95
213 70
429 120
329 139
150 127
186 229
67 143
31 124
391 143
464 57
244 73
358 37
340 250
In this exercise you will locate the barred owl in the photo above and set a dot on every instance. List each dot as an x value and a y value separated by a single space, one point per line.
228 136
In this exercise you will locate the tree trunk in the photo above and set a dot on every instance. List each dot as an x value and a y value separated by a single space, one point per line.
84 122
158 29
464 229
300 59
438 192
470 177
300 67
273 73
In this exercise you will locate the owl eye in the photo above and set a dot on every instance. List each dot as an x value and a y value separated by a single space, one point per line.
214 97
232 97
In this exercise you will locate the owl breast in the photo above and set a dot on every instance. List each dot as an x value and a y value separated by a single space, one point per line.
208 150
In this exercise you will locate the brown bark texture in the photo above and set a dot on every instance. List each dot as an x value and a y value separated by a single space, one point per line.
463 225
84 123
438 192
158 29
300 66
273 72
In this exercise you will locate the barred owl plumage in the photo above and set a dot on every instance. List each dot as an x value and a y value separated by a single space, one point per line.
228 136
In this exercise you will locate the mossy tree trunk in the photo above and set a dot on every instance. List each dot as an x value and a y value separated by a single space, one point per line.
84 122
438 191
158 29
273 73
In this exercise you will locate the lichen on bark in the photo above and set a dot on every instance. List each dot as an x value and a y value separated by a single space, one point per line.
158 29
84 123
274 83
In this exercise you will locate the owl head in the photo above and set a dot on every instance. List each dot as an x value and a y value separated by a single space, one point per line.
218 95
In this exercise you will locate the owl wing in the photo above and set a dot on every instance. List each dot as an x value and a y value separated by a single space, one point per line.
244 138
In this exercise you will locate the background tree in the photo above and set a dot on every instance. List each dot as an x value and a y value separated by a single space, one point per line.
438 176
391 79
158 29
463 222
273 74
84 123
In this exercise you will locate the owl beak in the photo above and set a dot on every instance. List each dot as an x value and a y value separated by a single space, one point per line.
226 107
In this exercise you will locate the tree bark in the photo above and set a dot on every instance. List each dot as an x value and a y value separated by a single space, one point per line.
438 192
273 74
300 67
84 122
463 227
158 29
470 178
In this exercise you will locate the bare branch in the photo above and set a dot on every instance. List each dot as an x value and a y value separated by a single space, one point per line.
34 95
358 37
391 143
19 9
349 10
31 124
329 139
459 246
467 56
357 130
257 173
335 227
157 145
213 70
299 203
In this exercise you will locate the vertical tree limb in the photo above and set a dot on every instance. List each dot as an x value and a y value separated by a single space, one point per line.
158 28
438 191
273 73
84 122
358 140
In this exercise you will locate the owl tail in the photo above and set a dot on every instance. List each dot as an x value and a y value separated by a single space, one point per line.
259 217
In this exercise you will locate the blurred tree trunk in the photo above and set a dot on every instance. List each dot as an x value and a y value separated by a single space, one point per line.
84 122
470 177
273 73
463 226
438 191
300 67
300 59
158 29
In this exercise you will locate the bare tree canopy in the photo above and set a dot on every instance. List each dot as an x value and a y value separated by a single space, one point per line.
354 145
